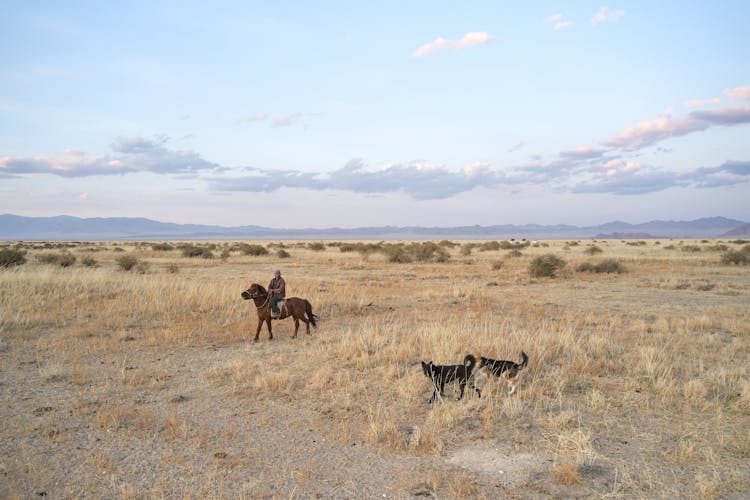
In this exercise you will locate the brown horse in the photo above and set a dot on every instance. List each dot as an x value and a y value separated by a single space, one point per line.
293 306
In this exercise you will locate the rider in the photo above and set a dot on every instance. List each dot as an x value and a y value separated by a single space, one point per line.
277 290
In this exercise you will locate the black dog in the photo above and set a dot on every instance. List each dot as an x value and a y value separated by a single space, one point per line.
440 374
506 369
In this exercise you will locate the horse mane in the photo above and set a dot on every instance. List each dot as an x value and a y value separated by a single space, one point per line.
262 290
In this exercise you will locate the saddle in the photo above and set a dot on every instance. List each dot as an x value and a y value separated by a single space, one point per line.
282 308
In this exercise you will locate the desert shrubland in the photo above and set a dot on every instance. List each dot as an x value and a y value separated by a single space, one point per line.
644 370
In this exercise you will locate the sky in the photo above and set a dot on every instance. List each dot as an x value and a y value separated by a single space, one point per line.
347 114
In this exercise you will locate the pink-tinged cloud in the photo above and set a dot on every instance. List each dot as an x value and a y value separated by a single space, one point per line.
583 153
470 39
648 132
553 18
562 24
605 15
131 155
738 93
665 126
701 103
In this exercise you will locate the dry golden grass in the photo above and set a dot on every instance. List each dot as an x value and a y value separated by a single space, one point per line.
154 370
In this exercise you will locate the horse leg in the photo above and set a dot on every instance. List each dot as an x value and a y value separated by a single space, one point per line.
270 332
307 326
257 330
296 327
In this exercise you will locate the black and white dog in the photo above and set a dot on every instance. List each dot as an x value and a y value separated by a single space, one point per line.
509 370
441 374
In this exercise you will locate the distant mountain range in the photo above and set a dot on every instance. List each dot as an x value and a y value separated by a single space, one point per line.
64 227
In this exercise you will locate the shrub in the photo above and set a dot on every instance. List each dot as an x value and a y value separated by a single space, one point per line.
497 265
196 251
506 245
10 257
172 268
161 247
585 267
605 266
396 254
739 257
427 251
127 262
447 243
283 254
489 246
515 253
691 248
316 246
62 259
254 250
546 265
467 248
592 250
89 261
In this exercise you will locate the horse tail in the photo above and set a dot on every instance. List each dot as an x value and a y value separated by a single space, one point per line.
310 315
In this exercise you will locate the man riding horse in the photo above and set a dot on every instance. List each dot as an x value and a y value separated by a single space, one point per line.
277 291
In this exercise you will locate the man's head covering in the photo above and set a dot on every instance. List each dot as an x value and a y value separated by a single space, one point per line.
277 272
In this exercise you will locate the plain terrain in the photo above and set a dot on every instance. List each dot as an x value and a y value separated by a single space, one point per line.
146 383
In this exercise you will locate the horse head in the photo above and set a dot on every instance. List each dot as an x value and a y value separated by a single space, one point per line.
254 291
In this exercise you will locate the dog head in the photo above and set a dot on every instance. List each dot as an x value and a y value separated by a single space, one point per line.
427 369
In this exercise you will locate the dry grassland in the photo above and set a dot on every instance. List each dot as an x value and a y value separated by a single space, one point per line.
145 383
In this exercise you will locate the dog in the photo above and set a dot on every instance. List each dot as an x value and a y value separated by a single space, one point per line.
441 374
509 370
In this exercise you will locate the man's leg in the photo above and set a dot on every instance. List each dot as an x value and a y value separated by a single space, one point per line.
274 306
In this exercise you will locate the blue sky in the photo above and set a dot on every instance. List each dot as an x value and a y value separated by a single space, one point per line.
321 114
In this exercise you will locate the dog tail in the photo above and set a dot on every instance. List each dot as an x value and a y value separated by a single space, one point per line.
310 315
525 359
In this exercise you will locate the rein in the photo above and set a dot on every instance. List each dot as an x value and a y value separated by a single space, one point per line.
268 297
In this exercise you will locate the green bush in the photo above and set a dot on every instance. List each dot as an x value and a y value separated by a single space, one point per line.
546 266
283 254
10 257
515 253
161 247
592 250
316 246
691 248
127 262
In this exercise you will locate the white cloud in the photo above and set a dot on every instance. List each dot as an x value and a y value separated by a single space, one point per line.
557 20
469 40
738 93
606 15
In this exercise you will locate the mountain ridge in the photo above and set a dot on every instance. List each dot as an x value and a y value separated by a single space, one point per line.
67 227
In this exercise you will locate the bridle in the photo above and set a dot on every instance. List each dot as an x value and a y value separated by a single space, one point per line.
256 294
